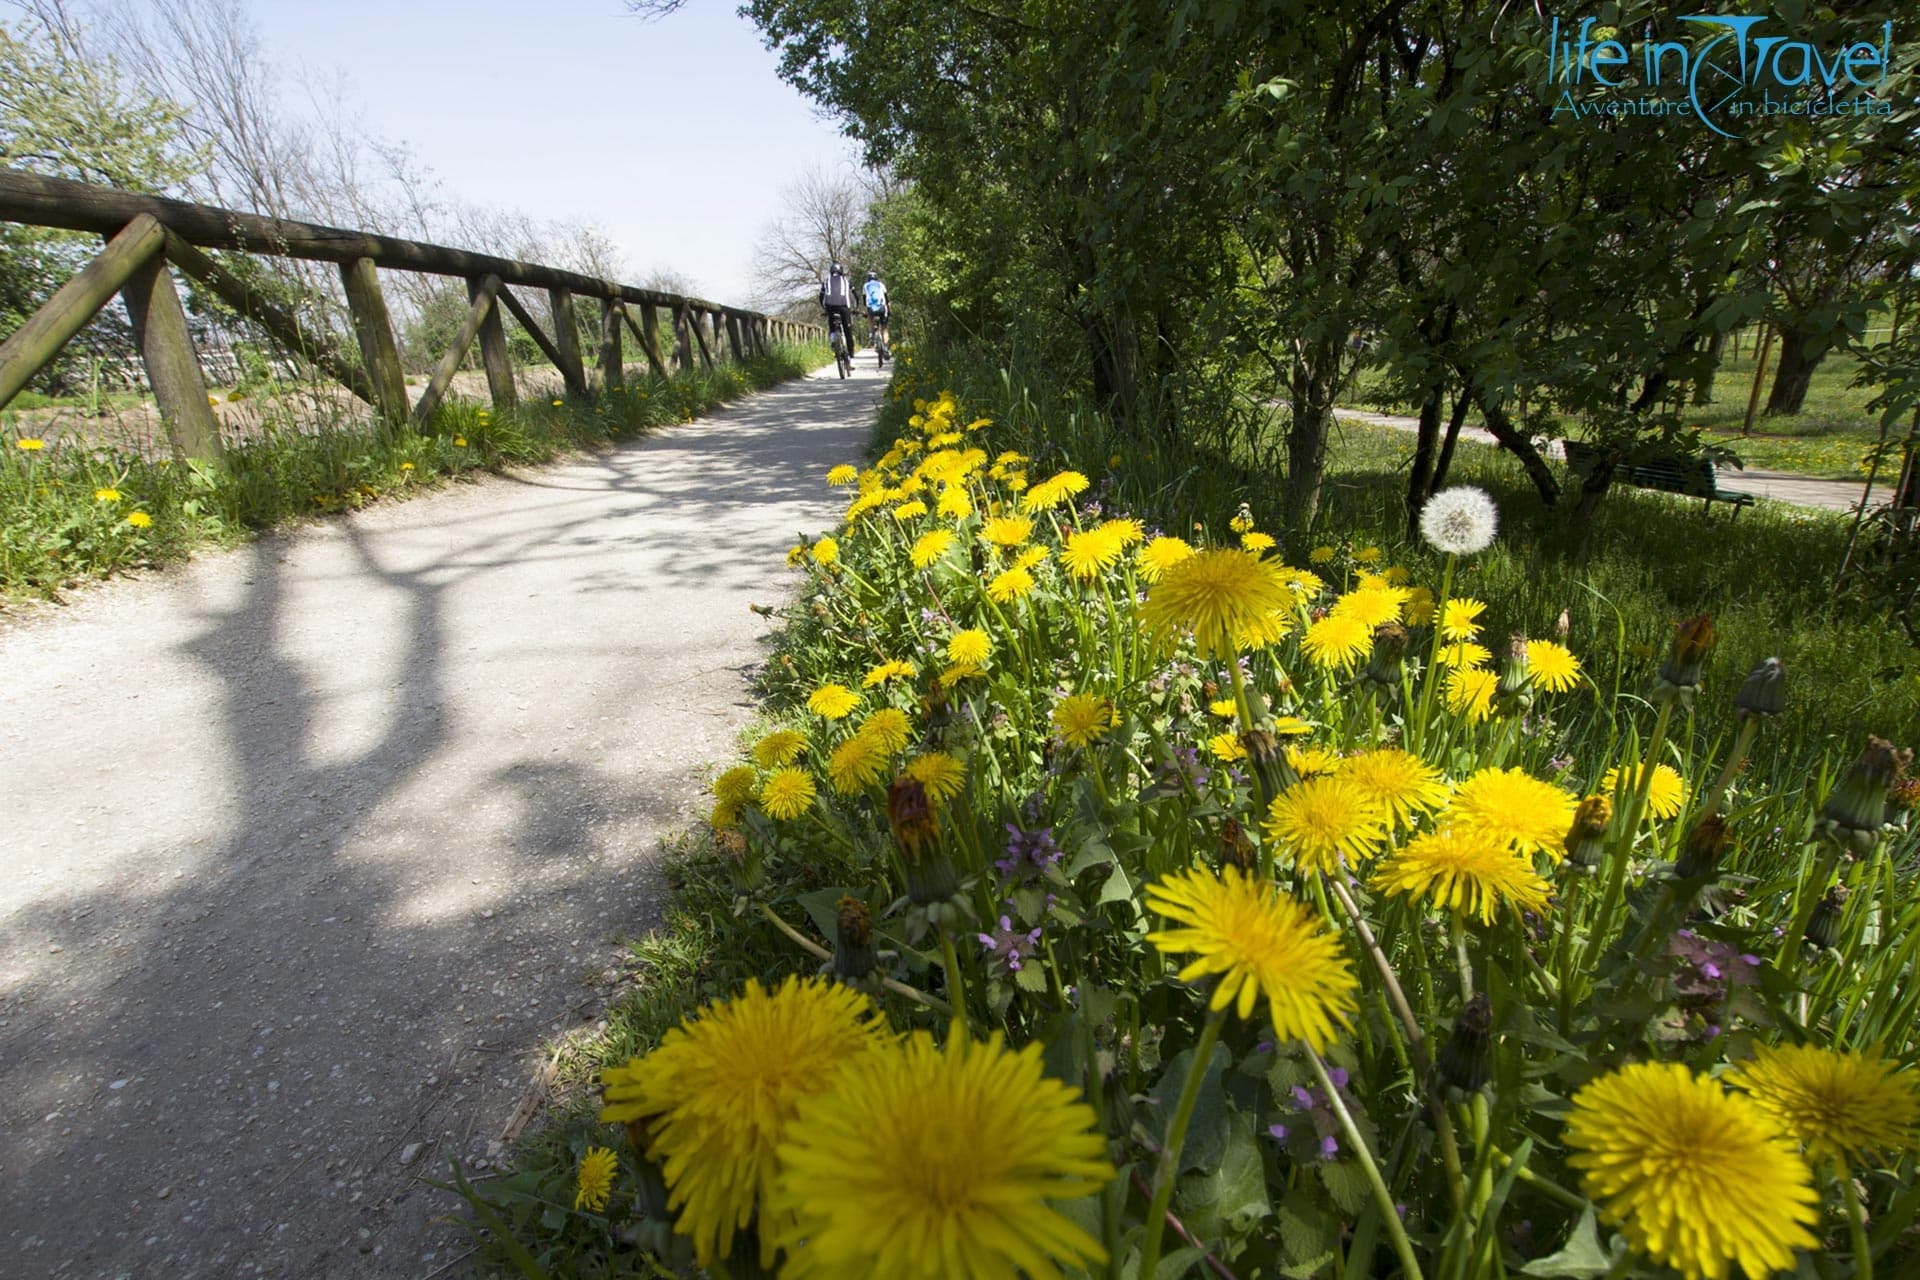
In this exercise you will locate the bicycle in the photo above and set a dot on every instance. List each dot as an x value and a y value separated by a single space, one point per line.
879 339
842 343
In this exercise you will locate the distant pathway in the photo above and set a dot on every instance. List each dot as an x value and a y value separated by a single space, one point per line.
1781 486
307 846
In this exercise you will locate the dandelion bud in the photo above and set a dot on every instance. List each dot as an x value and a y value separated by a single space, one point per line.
1857 809
1562 626
1383 668
1466 1060
1705 845
1587 838
1823 926
1513 696
1235 849
1686 659
1764 691
853 939
930 874
1269 760
910 815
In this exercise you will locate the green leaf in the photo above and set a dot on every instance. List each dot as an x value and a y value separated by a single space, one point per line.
1118 888
1308 1232
1207 1128
1582 1257
1347 1185
1233 1192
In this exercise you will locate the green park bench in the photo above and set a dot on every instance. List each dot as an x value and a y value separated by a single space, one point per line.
1691 476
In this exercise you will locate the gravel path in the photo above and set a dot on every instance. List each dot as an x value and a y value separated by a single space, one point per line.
308 846
1780 486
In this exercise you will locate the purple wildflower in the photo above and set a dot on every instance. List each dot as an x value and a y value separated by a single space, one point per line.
1029 853
1318 1109
1007 947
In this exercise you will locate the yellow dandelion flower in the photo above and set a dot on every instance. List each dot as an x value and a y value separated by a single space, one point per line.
856 764
781 747
795 553
140 520
923 1162
1312 761
826 552
1396 576
1465 653
1400 783
929 547
558 403
1010 585
1470 693
1226 747
959 671
1053 491
1665 796
1337 642
1322 820
832 701
910 510
843 475
1089 552
1419 610
1696 1178
969 647
1460 619
943 776
459 442
1371 606
735 786
1848 1106
1368 555
1513 806
787 794
954 503
594 1182
1258 543
1007 532
1082 719
1242 522
894 669
1320 555
1125 531
1030 558
1465 871
1552 666
889 727
106 495
1159 555
721 1091
1225 708
31 444
1261 943
1291 726
1304 583
1215 594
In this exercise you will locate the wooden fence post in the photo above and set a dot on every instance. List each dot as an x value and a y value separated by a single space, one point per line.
74 303
173 371
480 307
734 341
373 328
683 338
613 375
650 327
493 344
700 319
566 341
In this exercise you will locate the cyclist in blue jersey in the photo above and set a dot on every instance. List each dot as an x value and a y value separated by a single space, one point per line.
878 313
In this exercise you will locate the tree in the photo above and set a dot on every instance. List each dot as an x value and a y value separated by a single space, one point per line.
820 215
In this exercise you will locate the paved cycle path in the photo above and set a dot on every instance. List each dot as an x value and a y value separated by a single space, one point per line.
1780 486
306 847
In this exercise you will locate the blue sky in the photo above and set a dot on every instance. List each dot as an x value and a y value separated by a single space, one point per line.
507 104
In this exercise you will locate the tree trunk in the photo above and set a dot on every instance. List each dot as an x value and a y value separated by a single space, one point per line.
1716 346
1455 421
1315 378
1420 478
1515 441
1800 354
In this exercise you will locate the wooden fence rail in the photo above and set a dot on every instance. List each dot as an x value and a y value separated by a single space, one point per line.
145 234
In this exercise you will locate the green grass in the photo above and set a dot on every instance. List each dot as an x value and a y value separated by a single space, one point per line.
73 510
1831 437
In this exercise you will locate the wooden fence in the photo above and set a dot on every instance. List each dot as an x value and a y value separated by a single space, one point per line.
147 234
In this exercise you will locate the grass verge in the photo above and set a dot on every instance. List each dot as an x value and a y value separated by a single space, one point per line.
71 510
